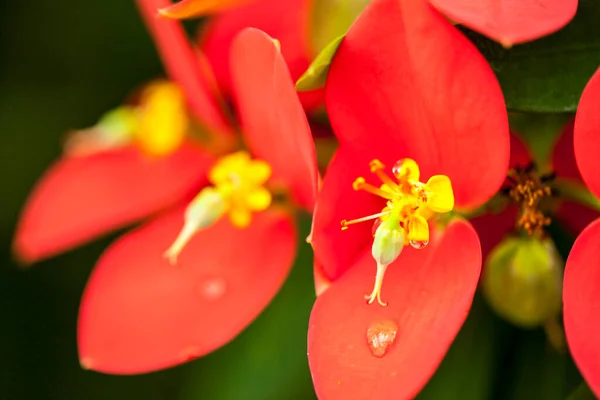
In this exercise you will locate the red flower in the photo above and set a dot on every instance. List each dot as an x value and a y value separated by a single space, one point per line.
581 290
510 21
139 313
404 83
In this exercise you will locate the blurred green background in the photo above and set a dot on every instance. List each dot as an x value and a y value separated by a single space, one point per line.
63 64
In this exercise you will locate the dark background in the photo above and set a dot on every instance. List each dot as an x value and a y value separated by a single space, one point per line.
63 64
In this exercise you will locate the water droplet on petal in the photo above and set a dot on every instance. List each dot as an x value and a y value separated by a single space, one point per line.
380 336
397 167
418 244
211 288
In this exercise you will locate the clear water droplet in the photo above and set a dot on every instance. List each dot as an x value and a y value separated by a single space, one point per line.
380 336
211 288
375 226
396 168
418 244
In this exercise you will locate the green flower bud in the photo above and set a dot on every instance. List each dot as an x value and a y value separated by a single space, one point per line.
522 281
388 241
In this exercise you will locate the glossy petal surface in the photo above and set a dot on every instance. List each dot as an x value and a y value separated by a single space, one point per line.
286 21
510 21
183 65
406 83
273 121
581 298
586 138
80 198
429 293
197 8
140 314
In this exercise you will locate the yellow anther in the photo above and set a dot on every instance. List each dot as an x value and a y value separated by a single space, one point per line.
358 182
237 192
403 220
376 167
163 120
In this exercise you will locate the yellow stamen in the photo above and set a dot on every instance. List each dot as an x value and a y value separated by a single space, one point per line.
163 120
237 192
346 223
409 204
360 184
377 168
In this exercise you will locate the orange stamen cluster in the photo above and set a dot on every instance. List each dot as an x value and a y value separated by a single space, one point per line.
529 190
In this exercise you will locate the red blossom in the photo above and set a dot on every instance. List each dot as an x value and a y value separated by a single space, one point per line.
404 83
138 312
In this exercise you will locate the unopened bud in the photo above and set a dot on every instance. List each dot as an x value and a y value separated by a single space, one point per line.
206 208
388 242
523 280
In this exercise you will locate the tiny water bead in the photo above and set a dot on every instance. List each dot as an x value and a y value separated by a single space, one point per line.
237 191
380 336
211 288
409 204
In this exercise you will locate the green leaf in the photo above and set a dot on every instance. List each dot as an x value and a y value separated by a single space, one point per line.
582 392
534 370
548 75
331 19
316 74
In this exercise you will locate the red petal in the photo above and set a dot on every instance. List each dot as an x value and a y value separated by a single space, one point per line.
80 198
492 228
563 155
429 293
183 65
405 82
574 216
581 298
272 118
197 8
510 21
140 314
287 21
337 250
586 138
519 154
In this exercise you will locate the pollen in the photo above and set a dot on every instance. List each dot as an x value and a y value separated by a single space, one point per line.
529 190
237 191
409 204
162 119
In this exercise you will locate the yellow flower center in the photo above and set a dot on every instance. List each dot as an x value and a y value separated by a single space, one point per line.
162 120
237 191
403 221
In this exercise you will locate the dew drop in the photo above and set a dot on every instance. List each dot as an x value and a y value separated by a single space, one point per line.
380 336
397 167
418 244
211 288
